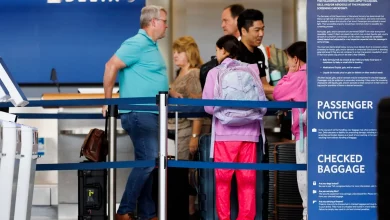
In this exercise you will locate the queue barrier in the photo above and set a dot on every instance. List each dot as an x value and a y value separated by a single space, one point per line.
166 107
189 108
171 163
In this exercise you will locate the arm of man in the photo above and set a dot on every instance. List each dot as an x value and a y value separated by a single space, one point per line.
125 56
268 89
110 73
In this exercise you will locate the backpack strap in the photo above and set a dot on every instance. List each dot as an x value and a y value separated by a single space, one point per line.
212 138
262 134
301 148
216 91
268 52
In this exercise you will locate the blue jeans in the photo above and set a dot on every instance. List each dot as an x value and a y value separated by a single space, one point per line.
143 131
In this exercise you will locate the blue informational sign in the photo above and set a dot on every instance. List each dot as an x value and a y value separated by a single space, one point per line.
348 69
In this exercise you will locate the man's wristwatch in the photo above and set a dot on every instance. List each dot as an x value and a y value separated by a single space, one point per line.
195 135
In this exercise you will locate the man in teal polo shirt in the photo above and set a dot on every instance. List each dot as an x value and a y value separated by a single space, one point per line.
142 73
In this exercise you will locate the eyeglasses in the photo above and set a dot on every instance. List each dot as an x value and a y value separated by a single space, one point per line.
164 20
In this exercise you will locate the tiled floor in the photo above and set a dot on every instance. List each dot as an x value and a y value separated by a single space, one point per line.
44 213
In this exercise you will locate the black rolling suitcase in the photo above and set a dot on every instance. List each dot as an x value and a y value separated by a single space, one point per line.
206 195
92 184
177 192
383 162
284 202
92 194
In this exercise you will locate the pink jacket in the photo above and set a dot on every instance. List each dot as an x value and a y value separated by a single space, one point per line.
293 87
249 132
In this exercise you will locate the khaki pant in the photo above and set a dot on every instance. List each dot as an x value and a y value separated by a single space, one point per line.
183 140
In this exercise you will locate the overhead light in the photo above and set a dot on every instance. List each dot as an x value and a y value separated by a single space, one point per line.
53 1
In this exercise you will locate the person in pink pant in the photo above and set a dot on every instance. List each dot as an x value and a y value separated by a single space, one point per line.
233 144
293 87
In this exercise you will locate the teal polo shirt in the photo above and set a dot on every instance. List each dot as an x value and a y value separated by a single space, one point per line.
145 73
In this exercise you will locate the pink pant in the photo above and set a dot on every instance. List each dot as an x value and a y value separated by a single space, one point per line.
242 152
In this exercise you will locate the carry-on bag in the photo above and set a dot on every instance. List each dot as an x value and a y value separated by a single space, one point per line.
95 145
284 202
177 192
92 184
92 194
206 194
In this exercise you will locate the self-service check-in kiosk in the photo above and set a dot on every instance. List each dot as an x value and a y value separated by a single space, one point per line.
9 167
26 176
18 154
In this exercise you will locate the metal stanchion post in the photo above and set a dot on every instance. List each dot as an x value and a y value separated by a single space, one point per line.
162 162
176 133
112 114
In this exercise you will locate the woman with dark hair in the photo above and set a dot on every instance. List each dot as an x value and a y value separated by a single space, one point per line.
233 143
227 47
292 87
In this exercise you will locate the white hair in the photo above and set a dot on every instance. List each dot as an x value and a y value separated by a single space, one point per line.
148 13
